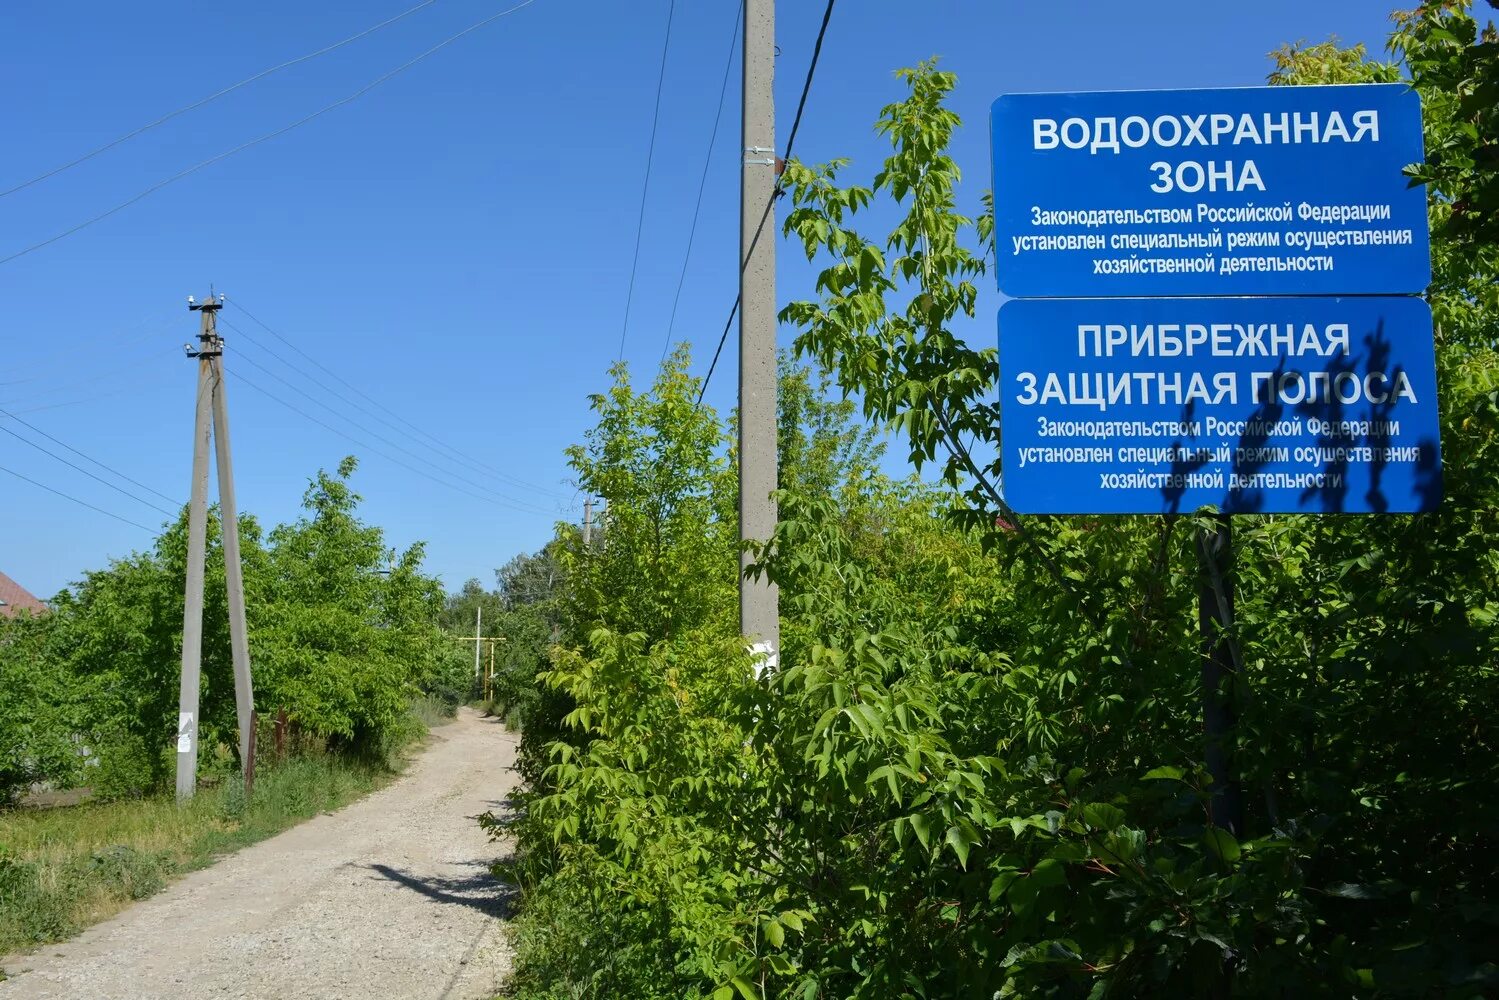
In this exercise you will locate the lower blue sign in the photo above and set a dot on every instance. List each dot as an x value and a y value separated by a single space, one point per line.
1254 405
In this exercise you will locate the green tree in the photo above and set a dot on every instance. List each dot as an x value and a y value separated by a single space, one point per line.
461 609
664 561
347 632
41 703
531 587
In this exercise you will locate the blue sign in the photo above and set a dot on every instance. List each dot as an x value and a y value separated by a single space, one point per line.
1288 405
1248 191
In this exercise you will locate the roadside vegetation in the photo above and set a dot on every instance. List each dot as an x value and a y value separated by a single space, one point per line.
523 610
978 769
351 666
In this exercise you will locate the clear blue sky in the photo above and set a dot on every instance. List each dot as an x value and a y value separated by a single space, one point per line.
457 242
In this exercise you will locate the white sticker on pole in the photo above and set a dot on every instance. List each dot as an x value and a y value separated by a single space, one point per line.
764 659
184 732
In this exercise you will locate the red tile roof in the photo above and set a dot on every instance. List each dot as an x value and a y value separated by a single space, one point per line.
17 598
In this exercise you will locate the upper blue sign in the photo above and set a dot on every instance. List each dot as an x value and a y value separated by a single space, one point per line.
1248 191
1313 405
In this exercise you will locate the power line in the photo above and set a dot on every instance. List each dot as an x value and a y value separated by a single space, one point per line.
78 468
81 503
349 437
210 98
801 104
346 400
269 135
133 390
87 458
70 354
703 182
435 441
796 123
362 409
39 393
645 187
728 324
378 437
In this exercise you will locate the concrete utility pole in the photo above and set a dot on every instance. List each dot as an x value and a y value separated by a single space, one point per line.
234 580
192 610
587 522
759 613
478 637
211 419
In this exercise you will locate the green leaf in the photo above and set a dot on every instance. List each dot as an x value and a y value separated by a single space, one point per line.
1222 844
923 827
888 773
1000 884
1048 872
1102 816
795 919
960 839
774 933
1165 773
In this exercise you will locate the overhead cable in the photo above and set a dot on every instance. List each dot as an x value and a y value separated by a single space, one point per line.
64 444
34 392
380 437
796 123
78 468
432 439
645 187
702 184
356 441
81 503
211 98
269 135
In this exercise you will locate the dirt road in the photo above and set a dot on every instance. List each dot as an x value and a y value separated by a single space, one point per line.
387 899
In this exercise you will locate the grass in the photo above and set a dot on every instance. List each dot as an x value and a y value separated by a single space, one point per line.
65 868
432 712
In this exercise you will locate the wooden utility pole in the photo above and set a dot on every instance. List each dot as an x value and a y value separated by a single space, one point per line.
759 612
211 420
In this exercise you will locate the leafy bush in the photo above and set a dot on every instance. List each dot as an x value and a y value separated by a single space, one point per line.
126 767
39 708
977 772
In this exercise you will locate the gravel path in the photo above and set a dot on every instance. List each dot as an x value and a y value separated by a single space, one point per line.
387 899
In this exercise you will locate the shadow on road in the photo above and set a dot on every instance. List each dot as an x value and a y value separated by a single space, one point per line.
480 891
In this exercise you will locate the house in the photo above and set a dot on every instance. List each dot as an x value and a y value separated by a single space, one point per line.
15 598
